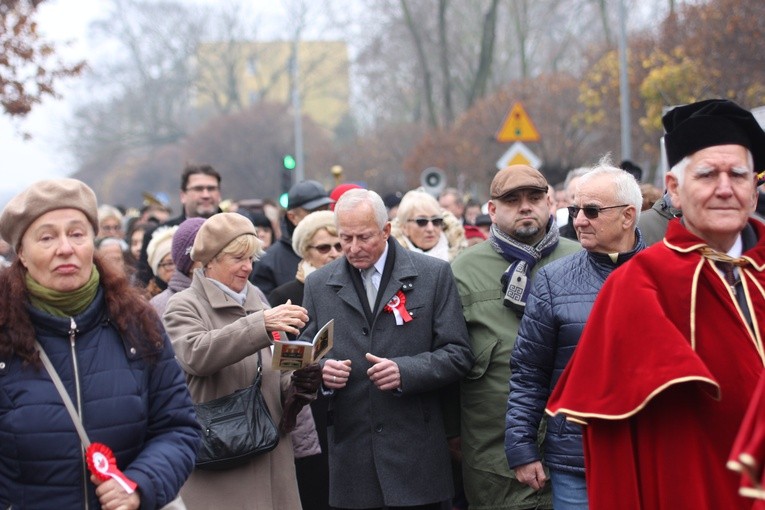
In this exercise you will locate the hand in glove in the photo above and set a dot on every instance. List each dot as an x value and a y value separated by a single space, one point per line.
302 391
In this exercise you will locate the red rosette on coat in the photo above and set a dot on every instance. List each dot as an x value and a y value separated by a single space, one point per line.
397 306
103 465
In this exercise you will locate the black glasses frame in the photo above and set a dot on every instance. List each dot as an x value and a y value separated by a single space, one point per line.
324 248
423 222
590 211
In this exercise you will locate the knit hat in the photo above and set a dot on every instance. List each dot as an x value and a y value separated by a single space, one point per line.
471 231
308 227
160 245
183 240
339 190
42 197
697 126
216 232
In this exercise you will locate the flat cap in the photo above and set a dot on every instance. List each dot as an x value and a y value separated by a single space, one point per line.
42 197
515 177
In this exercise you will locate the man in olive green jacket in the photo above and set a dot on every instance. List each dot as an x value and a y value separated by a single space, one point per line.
493 279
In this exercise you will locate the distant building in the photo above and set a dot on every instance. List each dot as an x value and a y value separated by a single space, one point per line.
236 75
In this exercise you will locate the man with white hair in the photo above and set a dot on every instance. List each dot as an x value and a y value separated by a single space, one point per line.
672 351
605 215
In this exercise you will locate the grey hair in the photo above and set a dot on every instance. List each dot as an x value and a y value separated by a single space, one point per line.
574 173
679 169
353 198
108 211
627 188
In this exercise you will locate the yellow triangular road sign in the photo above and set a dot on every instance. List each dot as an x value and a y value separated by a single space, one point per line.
517 126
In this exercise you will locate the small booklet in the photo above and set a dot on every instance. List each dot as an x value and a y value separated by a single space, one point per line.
294 354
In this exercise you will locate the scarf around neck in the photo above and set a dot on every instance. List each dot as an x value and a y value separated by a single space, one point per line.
63 304
522 258
440 250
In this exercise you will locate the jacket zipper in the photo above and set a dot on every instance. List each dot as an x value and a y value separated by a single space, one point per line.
72 331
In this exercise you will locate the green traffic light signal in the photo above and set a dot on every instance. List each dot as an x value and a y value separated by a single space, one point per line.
289 162
284 200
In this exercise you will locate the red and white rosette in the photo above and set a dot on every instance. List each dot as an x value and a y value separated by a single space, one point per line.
103 465
397 306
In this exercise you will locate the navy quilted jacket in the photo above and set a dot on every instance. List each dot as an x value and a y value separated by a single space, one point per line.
560 301
142 412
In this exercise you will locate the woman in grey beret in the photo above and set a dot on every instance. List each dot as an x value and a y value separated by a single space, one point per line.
111 353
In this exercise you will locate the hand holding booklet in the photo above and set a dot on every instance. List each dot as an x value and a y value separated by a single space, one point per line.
295 354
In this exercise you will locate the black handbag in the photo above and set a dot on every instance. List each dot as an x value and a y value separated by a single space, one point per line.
235 427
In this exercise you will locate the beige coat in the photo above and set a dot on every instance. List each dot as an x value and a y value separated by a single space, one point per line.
216 341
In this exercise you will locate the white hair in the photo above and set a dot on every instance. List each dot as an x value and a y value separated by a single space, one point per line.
353 198
627 188
678 170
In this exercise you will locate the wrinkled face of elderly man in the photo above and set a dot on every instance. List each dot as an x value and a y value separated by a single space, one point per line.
716 191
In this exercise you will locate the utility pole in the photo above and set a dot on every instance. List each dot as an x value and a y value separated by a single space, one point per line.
296 107
624 86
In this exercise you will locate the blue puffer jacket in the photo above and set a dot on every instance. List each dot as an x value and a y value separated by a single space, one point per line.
560 301
142 412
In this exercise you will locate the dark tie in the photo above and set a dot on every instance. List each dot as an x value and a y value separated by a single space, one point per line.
728 273
730 277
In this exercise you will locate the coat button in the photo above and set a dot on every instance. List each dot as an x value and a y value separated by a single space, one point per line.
364 331
2 365
132 351
378 427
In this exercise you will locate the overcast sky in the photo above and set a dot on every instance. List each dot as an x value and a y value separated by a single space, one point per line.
24 162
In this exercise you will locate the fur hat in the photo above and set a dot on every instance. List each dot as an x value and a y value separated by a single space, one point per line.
183 240
216 232
43 197
160 245
308 227
697 126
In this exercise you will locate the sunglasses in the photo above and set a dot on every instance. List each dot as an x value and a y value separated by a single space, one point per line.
324 248
590 211
423 222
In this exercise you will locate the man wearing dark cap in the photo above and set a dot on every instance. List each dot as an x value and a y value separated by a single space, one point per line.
279 264
494 279
672 350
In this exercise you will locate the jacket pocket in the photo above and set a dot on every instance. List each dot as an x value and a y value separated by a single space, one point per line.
483 354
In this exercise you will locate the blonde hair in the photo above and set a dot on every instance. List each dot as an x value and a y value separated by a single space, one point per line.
244 245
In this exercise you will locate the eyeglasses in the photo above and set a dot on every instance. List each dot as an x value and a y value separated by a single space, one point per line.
110 228
202 189
166 265
590 211
423 222
324 248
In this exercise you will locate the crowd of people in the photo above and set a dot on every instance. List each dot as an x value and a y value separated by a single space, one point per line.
591 345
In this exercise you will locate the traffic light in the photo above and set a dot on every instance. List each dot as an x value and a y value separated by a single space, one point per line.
288 167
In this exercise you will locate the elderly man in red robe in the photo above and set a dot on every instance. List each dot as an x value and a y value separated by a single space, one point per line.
673 349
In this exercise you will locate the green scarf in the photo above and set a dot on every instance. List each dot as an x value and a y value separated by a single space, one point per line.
63 304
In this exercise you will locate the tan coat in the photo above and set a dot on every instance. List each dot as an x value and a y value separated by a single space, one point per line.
216 341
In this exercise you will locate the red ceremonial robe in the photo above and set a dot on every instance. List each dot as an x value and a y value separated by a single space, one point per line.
662 376
748 455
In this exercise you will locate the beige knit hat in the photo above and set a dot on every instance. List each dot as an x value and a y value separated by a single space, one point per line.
216 232
42 197
161 245
308 227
